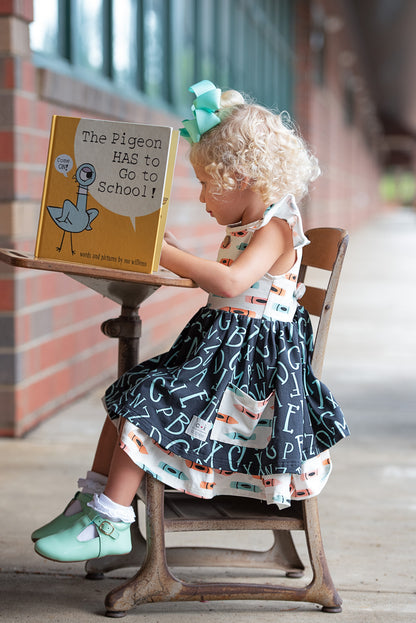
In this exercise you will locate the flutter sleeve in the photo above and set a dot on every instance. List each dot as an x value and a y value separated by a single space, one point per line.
287 210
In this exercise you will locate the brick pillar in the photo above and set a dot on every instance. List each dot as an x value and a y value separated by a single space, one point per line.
16 81
302 83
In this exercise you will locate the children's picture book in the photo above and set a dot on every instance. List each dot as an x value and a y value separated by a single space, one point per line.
106 193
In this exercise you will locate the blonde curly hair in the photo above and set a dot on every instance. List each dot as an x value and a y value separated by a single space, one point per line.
255 145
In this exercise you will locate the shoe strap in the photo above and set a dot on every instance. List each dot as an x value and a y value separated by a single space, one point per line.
105 526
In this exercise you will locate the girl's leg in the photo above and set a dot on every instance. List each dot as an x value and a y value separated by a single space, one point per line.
124 478
114 503
106 444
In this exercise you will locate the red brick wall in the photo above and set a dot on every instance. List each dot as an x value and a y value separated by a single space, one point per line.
51 347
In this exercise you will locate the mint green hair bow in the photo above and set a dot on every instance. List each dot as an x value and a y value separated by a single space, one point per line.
204 107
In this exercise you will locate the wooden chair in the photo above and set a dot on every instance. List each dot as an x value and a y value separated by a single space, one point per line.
172 511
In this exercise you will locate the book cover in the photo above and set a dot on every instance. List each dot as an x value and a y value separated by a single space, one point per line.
106 193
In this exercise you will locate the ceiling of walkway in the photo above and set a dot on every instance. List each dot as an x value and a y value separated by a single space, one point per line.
387 35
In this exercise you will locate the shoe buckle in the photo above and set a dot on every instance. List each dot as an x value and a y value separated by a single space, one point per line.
106 527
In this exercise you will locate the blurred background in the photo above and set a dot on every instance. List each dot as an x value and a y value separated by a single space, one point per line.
343 69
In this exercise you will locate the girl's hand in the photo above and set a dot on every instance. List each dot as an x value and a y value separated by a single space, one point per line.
170 250
171 239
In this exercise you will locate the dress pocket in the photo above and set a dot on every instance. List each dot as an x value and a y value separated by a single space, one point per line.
243 421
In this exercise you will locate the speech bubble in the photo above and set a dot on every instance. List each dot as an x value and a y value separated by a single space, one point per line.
63 164
130 161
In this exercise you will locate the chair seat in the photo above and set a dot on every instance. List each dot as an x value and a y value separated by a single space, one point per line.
184 512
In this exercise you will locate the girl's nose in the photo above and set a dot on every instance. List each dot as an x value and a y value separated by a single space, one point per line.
202 195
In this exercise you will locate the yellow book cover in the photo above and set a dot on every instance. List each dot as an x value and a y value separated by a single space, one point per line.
106 193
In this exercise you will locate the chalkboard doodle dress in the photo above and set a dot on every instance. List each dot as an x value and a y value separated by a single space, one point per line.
233 408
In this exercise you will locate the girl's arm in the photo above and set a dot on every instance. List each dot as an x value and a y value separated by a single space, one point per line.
270 250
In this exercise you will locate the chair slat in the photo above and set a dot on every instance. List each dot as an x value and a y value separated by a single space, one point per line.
323 250
313 300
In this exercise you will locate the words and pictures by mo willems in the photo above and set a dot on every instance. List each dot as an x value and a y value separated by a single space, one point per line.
106 193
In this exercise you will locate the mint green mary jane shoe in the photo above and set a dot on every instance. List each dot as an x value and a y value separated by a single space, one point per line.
113 538
62 521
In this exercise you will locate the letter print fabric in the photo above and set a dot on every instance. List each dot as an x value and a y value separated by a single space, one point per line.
233 408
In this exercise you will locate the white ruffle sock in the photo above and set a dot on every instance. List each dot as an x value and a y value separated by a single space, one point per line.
108 510
111 510
93 483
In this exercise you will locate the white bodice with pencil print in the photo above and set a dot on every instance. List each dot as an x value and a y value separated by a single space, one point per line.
273 296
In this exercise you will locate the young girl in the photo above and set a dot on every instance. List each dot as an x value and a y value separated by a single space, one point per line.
233 407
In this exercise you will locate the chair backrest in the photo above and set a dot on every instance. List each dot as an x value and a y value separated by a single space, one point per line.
326 252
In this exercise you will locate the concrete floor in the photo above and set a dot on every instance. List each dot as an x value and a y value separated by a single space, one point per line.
367 509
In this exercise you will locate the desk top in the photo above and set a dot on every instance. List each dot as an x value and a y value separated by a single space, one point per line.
160 278
122 286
